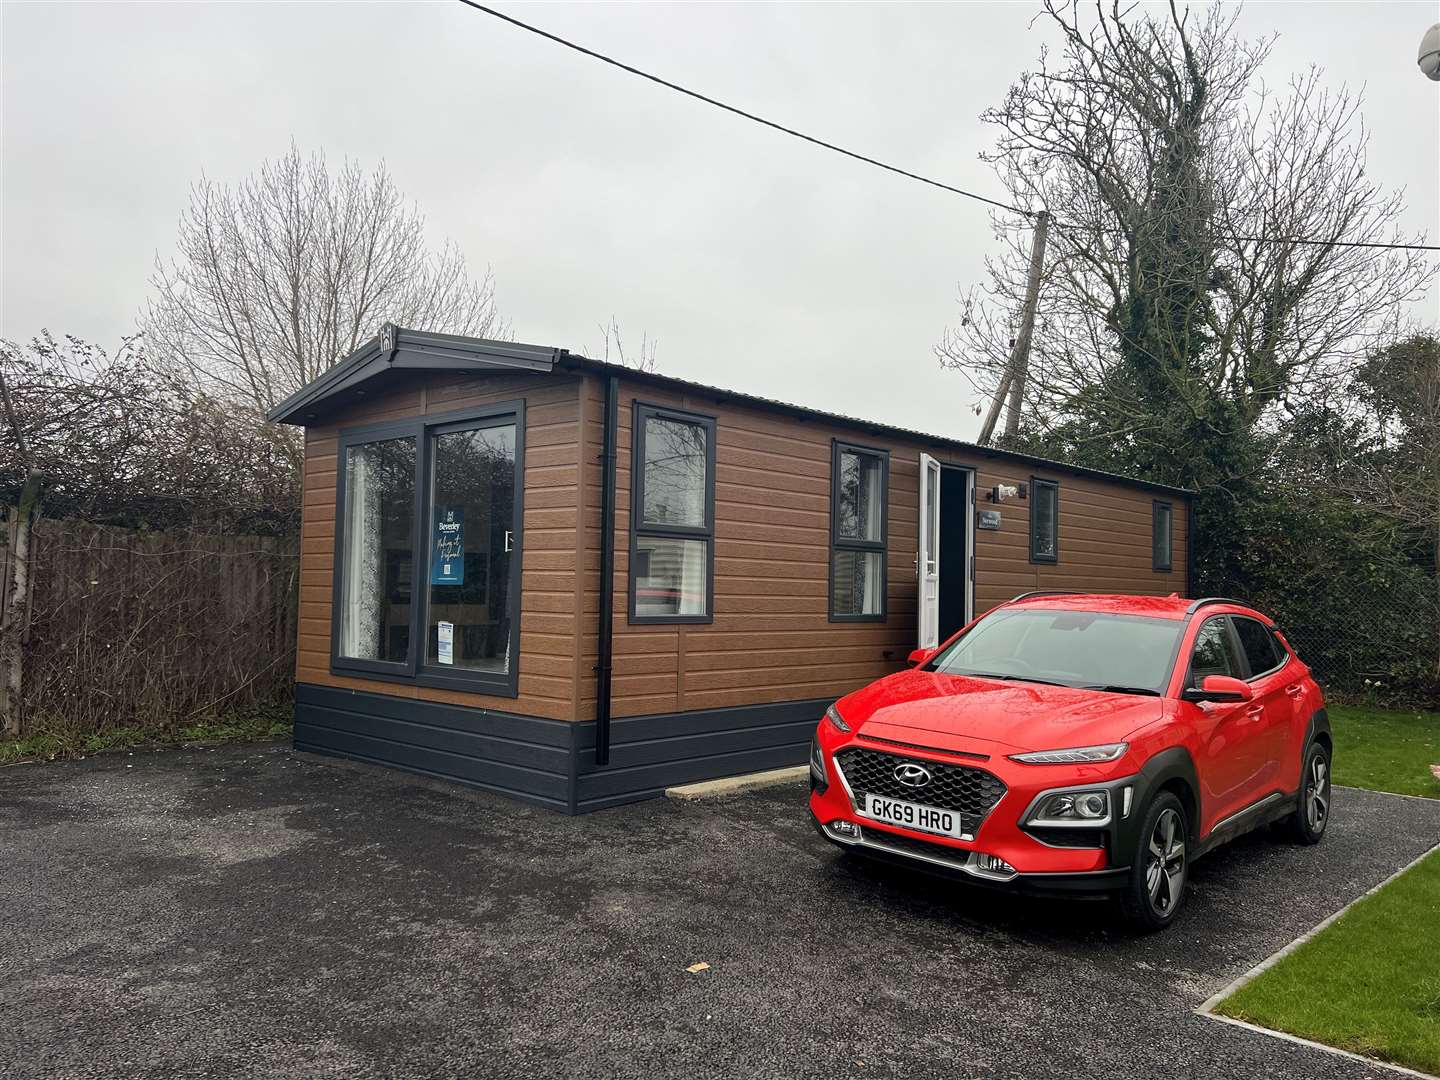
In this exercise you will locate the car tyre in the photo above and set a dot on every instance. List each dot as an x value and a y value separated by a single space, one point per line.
1160 868
1312 809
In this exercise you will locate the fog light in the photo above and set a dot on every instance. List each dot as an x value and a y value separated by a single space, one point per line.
844 830
992 865
1091 805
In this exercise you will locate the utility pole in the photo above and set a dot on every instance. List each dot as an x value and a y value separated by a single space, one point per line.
1012 384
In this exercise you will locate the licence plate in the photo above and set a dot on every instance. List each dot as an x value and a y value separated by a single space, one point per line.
909 815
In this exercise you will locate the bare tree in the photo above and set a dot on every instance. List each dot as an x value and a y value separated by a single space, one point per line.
1184 292
120 441
612 349
279 276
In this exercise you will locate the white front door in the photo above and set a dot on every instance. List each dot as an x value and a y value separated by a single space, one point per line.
927 563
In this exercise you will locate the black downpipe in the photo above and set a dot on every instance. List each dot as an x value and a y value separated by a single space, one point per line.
605 660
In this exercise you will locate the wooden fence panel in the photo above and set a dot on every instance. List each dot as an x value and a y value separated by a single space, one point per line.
156 629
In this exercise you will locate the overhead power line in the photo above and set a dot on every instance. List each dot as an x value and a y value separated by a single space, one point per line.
740 112
875 161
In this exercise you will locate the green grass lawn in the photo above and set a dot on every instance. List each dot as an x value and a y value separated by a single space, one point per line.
1368 983
1386 750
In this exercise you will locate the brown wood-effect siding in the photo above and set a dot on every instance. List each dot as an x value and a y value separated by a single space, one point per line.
771 639
549 592
1104 539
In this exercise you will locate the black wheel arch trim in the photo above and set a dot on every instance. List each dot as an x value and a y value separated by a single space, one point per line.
1171 764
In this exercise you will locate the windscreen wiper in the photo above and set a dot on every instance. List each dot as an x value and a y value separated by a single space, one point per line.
1010 678
1143 690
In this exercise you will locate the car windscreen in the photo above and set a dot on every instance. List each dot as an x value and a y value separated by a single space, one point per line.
1073 648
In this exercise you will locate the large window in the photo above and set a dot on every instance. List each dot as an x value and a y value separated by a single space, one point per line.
1161 541
857 532
427 550
672 516
1044 521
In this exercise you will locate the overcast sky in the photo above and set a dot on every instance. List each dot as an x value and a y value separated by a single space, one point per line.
758 263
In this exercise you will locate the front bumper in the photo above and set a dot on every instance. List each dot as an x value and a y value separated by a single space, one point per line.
1092 859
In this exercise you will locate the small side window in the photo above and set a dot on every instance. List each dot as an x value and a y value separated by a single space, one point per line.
1259 645
1162 536
1213 653
1044 521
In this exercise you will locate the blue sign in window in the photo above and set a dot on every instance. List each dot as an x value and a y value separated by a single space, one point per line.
447 554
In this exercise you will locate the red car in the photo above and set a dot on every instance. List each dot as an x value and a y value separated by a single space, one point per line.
1067 743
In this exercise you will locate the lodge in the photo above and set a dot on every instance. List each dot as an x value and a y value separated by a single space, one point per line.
472 507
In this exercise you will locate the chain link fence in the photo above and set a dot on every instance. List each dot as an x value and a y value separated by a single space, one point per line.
1371 635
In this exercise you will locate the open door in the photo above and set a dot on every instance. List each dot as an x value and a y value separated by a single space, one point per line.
927 562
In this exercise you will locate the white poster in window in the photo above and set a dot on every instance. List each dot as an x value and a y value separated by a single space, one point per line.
446 651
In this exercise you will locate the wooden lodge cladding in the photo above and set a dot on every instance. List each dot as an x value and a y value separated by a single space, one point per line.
548 590
738 690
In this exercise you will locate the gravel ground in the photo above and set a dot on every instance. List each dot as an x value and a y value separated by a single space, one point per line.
253 912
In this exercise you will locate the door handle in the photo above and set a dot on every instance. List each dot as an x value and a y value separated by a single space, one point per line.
1295 690
509 540
1254 711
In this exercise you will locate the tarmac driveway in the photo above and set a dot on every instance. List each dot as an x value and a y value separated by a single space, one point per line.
248 912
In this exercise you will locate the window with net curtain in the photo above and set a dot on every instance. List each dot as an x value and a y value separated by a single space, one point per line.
858 547
377 586
672 529
426 579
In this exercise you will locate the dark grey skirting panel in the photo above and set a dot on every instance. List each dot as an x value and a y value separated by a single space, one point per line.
650 753
551 763
524 757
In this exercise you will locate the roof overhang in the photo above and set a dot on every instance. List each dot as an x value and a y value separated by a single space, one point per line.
377 363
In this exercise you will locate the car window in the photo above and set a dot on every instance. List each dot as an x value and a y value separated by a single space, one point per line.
1213 653
1260 647
1074 648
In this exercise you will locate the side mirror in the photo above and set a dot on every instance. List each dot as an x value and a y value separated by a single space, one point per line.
1220 689
919 656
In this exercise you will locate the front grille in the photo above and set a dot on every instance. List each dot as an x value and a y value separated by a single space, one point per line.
910 846
971 792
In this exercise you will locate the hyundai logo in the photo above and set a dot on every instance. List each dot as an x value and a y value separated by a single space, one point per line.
912 775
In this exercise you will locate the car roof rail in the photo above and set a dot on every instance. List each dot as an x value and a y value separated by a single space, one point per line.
1204 601
1046 592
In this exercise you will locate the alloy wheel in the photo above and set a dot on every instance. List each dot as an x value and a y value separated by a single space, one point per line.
1165 868
1317 793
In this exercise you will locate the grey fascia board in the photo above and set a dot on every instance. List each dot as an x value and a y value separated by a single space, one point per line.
416 351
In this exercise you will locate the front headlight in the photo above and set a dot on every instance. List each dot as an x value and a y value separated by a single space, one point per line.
1072 808
1078 755
833 715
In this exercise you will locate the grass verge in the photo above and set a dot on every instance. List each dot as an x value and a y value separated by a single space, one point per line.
43 745
1368 983
1386 749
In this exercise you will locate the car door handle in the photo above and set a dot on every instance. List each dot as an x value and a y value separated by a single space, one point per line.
1254 711
1295 690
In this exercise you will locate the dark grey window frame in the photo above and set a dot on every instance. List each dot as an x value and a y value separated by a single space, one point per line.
413 670
1036 483
641 412
844 543
1155 564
